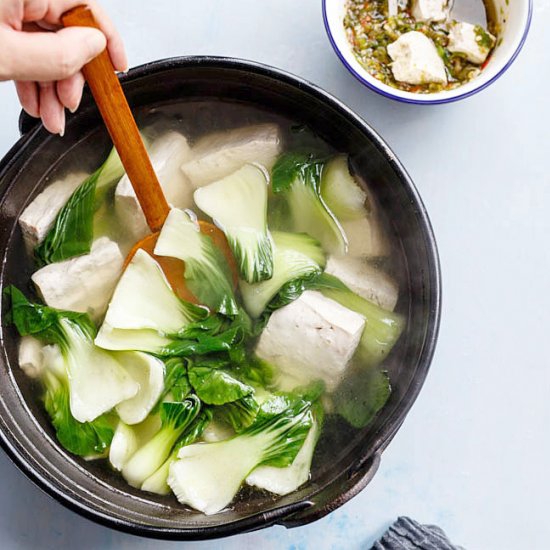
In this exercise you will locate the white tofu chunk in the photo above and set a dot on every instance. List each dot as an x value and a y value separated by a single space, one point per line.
167 153
84 283
311 338
37 219
430 10
365 280
415 60
222 153
31 358
471 40
366 238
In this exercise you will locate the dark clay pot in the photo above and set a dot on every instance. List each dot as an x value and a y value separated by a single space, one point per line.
91 489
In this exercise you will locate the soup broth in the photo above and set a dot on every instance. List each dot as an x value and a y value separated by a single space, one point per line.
303 348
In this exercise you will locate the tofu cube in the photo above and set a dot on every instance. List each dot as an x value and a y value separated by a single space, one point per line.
311 338
37 219
85 283
167 154
222 153
31 358
365 280
470 40
415 60
430 10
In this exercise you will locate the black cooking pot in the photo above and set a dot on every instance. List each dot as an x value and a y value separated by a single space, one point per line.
93 490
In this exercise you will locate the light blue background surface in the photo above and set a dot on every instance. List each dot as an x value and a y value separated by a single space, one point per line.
472 455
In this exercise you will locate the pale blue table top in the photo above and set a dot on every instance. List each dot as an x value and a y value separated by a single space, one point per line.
472 454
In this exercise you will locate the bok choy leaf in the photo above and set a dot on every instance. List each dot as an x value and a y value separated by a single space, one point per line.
215 386
297 256
341 192
239 414
207 476
282 481
238 205
176 383
80 438
157 482
361 395
207 272
297 177
145 314
176 418
97 380
72 232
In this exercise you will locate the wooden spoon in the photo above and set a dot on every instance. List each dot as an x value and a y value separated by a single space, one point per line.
115 111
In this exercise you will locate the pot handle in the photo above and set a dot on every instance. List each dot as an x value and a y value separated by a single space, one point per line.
27 123
334 495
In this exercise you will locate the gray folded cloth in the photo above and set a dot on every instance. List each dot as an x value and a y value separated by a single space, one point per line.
407 534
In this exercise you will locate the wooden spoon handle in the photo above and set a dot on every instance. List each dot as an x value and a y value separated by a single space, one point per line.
112 104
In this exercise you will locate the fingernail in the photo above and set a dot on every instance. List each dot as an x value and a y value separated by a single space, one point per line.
62 123
75 108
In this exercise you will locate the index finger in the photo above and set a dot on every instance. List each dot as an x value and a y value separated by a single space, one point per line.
115 45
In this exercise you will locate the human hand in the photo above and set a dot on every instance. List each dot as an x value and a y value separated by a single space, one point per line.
45 59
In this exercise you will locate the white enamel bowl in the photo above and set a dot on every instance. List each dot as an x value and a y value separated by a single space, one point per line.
514 17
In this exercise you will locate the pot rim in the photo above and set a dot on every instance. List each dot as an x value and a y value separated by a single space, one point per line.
353 480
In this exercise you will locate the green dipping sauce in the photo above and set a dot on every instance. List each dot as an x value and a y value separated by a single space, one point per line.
370 29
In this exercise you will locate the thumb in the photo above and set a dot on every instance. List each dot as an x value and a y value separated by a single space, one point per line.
47 56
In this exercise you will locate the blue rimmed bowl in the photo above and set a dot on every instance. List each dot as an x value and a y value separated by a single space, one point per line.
513 17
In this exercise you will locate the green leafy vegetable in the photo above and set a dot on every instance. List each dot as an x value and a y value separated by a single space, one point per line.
157 483
282 481
128 439
80 438
208 476
215 386
238 205
72 232
207 272
148 372
298 177
97 380
239 414
176 383
176 418
203 344
144 313
341 192
361 395
40 320
296 257
255 372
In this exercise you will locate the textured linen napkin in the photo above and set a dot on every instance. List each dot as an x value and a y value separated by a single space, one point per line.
407 534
